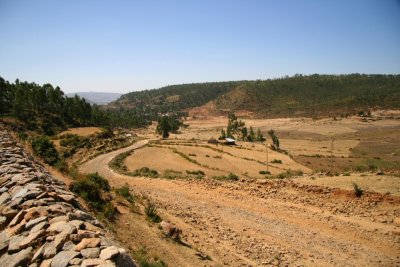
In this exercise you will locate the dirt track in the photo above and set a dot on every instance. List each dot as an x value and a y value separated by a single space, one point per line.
274 223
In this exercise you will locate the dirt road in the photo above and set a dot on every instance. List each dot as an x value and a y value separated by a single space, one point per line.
261 224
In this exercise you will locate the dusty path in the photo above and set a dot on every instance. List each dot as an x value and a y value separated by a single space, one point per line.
275 223
100 163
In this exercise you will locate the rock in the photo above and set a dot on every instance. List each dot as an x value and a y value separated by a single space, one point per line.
91 227
80 215
87 243
38 254
83 234
31 214
18 218
3 221
31 239
75 261
67 198
9 213
63 218
60 239
60 227
13 245
396 221
69 245
170 230
42 225
262 181
46 263
4 198
124 260
62 258
4 240
109 253
34 222
107 264
4 180
91 253
49 250
21 258
77 223
20 194
92 262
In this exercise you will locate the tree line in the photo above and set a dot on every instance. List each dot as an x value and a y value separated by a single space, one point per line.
47 108
299 95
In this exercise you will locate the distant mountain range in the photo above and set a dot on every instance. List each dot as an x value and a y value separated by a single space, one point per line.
97 97
312 95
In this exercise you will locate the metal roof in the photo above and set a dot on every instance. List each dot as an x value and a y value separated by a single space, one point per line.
230 140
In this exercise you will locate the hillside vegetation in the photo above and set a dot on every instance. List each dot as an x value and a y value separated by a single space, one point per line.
314 95
46 109
174 97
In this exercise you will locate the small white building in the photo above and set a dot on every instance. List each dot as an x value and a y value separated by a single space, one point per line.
230 141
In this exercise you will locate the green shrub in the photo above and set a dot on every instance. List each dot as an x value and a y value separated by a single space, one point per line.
125 193
264 172
217 157
44 148
289 173
73 172
145 171
106 133
278 161
109 211
61 165
172 174
359 168
192 155
145 261
357 190
22 136
90 192
198 172
99 180
151 212
117 163
230 177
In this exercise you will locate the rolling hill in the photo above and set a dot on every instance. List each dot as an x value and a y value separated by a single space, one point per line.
313 95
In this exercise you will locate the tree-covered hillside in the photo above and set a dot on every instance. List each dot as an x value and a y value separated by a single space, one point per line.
46 109
175 97
314 95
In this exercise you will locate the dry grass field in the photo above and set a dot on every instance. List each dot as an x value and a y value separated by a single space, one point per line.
310 220
82 131
242 160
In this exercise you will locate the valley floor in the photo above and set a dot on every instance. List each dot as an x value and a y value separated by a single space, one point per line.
244 223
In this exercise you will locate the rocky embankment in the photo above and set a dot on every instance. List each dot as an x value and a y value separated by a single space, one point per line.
42 223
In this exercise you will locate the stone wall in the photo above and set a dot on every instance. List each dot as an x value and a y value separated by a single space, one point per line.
42 223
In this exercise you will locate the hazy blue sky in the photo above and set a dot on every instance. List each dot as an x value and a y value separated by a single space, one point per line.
122 46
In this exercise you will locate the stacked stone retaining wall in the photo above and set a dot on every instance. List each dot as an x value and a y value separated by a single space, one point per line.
42 223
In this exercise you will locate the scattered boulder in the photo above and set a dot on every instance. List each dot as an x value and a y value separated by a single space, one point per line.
170 230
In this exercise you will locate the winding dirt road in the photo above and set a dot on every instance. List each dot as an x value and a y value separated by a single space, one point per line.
273 223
